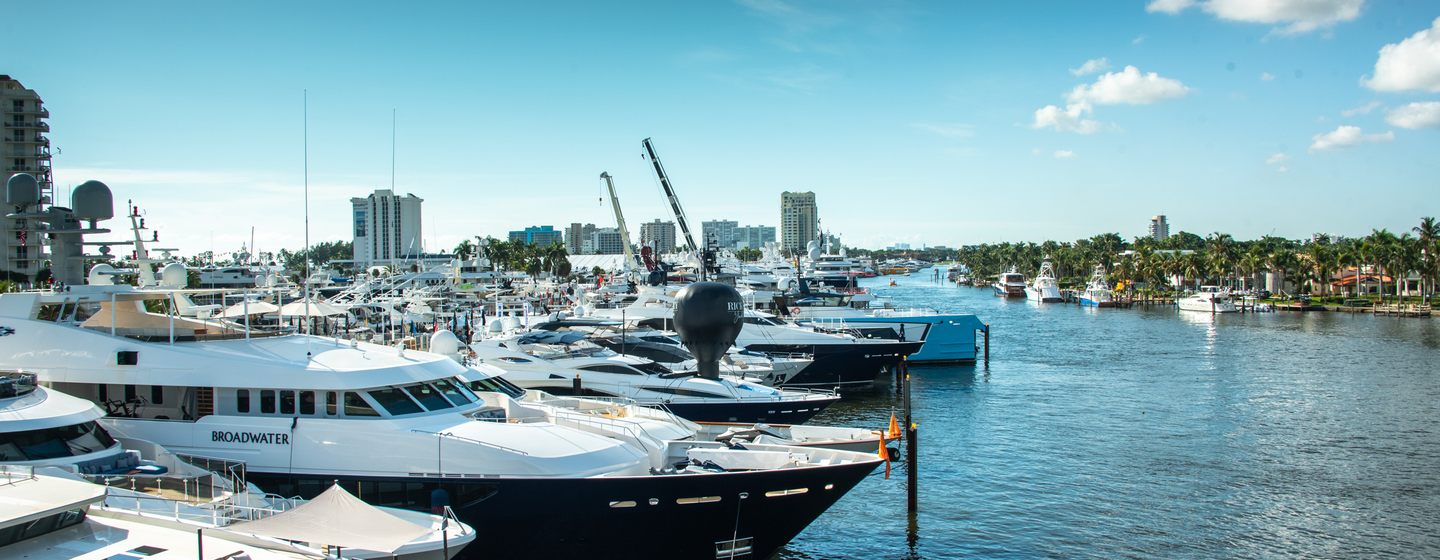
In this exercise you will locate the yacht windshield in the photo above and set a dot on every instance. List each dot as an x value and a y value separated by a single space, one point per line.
49 443
394 401
497 385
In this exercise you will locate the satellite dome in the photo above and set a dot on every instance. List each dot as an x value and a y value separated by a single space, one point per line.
173 276
445 343
812 245
22 189
101 275
92 201
708 318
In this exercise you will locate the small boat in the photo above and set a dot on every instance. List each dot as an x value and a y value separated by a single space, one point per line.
1210 299
1010 285
1097 293
1043 288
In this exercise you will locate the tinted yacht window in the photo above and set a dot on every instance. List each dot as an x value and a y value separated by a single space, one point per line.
49 443
428 396
394 401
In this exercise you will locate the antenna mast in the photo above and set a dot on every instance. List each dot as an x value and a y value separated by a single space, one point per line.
305 282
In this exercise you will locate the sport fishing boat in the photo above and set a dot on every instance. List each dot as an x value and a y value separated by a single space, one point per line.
1097 292
395 427
1010 285
1043 288
1209 299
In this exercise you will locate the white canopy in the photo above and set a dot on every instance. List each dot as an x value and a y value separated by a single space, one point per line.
337 518
309 309
253 308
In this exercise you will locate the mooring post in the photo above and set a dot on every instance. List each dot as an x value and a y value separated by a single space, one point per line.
912 466
987 345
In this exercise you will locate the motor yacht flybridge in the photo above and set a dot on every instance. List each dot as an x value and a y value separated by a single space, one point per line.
393 427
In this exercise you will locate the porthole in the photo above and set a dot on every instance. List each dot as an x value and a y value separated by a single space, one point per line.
623 504
697 500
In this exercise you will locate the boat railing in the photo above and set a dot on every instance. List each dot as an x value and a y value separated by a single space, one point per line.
441 436
11 474
216 515
582 420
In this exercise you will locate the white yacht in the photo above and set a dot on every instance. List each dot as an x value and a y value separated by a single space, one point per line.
1209 299
569 366
1097 292
1043 288
396 427
1010 285
55 434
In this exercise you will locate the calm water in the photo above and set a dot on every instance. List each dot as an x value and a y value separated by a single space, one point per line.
1155 434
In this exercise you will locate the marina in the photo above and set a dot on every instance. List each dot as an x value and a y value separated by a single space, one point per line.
917 280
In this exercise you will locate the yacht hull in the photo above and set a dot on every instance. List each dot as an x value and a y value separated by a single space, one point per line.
657 516
847 367
773 412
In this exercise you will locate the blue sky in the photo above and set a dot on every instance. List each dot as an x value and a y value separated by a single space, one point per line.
912 121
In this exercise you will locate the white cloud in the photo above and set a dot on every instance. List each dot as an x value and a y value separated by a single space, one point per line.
1091 66
1128 87
1346 136
1267 77
1137 40
1412 64
948 130
1070 119
1362 110
1169 6
1296 16
1277 158
1425 114
1064 154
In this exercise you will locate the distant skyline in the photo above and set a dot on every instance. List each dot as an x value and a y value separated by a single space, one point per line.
937 123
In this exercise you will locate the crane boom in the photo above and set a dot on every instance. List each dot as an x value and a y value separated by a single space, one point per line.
670 195
619 220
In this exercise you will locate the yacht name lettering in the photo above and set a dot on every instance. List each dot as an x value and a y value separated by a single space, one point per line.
274 438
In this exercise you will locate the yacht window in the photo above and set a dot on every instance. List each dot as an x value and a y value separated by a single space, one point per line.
157 394
130 393
686 392
608 368
50 443
307 402
499 385
267 401
355 405
330 403
428 396
104 392
453 392
242 401
394 401
287 402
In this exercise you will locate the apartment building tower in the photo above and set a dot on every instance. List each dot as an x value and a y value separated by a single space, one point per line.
799 220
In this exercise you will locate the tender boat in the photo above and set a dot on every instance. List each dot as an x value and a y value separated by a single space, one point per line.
1043 287
1010 285
1097 292
1209 299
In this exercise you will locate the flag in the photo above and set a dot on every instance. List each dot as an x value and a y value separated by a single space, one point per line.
885 454
894 432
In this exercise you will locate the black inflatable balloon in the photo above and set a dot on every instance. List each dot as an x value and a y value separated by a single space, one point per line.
708 317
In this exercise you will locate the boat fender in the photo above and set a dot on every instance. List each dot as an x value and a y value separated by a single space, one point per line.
795 310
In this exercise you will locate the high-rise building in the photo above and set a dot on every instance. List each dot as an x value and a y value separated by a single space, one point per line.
23 149
387 227
575 237
659 235
799 220
722 232
606 241
754 237
543 236
1159 228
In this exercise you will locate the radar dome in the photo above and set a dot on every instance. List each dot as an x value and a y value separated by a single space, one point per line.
101 275
708 317
814 252
92 201
445 343
22 189
173 276
812 245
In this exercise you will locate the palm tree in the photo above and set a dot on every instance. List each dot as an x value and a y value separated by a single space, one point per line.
1428 233
1381 243
464 249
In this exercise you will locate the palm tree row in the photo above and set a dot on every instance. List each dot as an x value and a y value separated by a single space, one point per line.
519 255
1321 266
